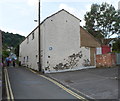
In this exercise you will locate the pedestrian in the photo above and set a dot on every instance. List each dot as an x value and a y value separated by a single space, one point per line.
7 61
13 63
19 63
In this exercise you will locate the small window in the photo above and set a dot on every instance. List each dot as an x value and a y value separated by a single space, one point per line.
24 59
32 35
27 58
27 40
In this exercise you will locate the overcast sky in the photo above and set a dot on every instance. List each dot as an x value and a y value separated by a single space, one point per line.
18 16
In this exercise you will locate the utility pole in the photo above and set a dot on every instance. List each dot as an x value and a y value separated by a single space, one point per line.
39 38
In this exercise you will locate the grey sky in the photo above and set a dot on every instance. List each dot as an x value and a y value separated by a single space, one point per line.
18 16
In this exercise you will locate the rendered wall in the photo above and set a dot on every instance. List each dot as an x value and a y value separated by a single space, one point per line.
62 44
29 49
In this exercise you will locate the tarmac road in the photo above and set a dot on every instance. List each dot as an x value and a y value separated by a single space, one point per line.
97 83
28 85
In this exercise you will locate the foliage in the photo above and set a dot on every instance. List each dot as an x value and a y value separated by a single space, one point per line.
5 53
17 51
11 40
102 21
116 46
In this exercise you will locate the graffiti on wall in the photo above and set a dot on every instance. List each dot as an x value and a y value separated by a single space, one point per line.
86 62
70 63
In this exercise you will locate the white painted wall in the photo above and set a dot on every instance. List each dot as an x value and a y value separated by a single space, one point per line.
60 45
61 34
119 5
30 49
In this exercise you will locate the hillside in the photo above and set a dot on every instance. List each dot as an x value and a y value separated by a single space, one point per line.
11 40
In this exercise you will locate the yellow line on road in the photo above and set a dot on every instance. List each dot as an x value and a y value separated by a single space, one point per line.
61 86
10 95
6 84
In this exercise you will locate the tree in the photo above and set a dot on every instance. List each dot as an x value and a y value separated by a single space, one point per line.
5 54
11 40
102 21
116 45
17 51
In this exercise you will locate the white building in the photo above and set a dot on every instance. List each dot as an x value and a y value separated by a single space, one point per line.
119 5
60 45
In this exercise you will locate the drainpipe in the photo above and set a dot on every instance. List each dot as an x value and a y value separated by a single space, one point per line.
39 39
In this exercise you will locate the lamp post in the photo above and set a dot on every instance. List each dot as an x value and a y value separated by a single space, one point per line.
39 38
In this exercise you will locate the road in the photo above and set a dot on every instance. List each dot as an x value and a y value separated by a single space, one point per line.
29 85
97 83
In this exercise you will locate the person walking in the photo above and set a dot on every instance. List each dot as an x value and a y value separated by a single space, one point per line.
13 63
7 61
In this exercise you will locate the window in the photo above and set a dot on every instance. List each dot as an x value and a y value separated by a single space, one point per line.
27 58
32 35
27 40
24 59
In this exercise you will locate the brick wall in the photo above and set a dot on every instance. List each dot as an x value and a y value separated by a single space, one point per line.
106 60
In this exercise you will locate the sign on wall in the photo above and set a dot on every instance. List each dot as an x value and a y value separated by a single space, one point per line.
50 48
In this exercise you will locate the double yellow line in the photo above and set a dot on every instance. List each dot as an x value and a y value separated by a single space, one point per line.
61 86
10 96
9 92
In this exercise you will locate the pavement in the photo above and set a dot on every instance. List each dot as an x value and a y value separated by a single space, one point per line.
97 83
28 85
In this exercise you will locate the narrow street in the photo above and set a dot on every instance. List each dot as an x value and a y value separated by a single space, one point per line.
26 84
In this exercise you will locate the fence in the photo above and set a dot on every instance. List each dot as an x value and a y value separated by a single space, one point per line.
118 58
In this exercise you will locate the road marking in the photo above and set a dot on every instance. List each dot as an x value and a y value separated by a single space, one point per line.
9 90
6 83
61 86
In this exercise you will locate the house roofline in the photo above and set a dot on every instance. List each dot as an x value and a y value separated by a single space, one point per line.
48 18
29 35
57 13
91 35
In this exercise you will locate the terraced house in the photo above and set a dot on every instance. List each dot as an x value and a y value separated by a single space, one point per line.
62 45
